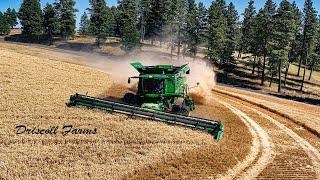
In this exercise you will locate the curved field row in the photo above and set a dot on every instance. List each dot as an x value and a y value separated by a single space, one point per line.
294 157
302 114
251 168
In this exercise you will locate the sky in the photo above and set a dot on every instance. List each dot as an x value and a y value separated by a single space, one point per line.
82 5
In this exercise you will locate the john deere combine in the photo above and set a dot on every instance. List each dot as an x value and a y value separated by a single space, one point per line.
162 95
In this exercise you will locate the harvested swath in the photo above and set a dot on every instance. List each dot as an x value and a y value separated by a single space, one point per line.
207 161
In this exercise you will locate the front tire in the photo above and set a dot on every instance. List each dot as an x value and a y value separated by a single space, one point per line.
128 98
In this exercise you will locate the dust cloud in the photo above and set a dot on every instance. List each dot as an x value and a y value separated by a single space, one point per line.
120 69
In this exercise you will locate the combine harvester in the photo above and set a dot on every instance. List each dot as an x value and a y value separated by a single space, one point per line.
162 95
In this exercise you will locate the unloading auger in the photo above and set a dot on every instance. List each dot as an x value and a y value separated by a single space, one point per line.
162 95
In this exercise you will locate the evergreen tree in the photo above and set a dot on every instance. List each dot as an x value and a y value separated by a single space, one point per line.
309 34
11 16
84 28
130 37
264 28
228 60
217 30
282 37
192 31
66 13
31 19
112 22
202 22
144 11
99 20
171 23
180 24
315 56
120 17
50 21
155 19
4 25
296 44
247 40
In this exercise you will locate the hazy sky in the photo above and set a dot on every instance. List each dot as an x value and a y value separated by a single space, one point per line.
81 5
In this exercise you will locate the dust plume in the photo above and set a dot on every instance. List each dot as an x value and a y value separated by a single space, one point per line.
120 69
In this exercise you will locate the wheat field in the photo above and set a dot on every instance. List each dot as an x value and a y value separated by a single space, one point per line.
34 91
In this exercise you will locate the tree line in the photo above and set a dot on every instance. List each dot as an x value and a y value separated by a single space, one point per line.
276 37
280 37
8 20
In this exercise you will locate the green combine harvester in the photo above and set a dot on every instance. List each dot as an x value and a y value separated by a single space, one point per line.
162 95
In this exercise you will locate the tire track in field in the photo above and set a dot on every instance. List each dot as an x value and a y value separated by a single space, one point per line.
294 170
312 152
253 165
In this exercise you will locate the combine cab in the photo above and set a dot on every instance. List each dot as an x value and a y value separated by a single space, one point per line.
161 88
162 95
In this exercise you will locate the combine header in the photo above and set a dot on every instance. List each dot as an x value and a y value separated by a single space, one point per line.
162 95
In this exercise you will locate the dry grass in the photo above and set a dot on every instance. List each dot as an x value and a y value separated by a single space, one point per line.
111 46
34 91
311 87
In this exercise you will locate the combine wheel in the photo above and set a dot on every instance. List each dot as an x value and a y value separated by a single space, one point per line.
131 99
128 98
135 100
177 109
185 111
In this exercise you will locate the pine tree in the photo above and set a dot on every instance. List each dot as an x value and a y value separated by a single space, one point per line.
264 28
180 24
119 19
171 23
247 29
155 19
112 21
50 21
202 22
130 37
11 16
84 28
282 37
167 19
192 31
309 32
295 49
217 30
67 18
315 56
228 60
247 42
31 18
99 20
144 11
4 25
